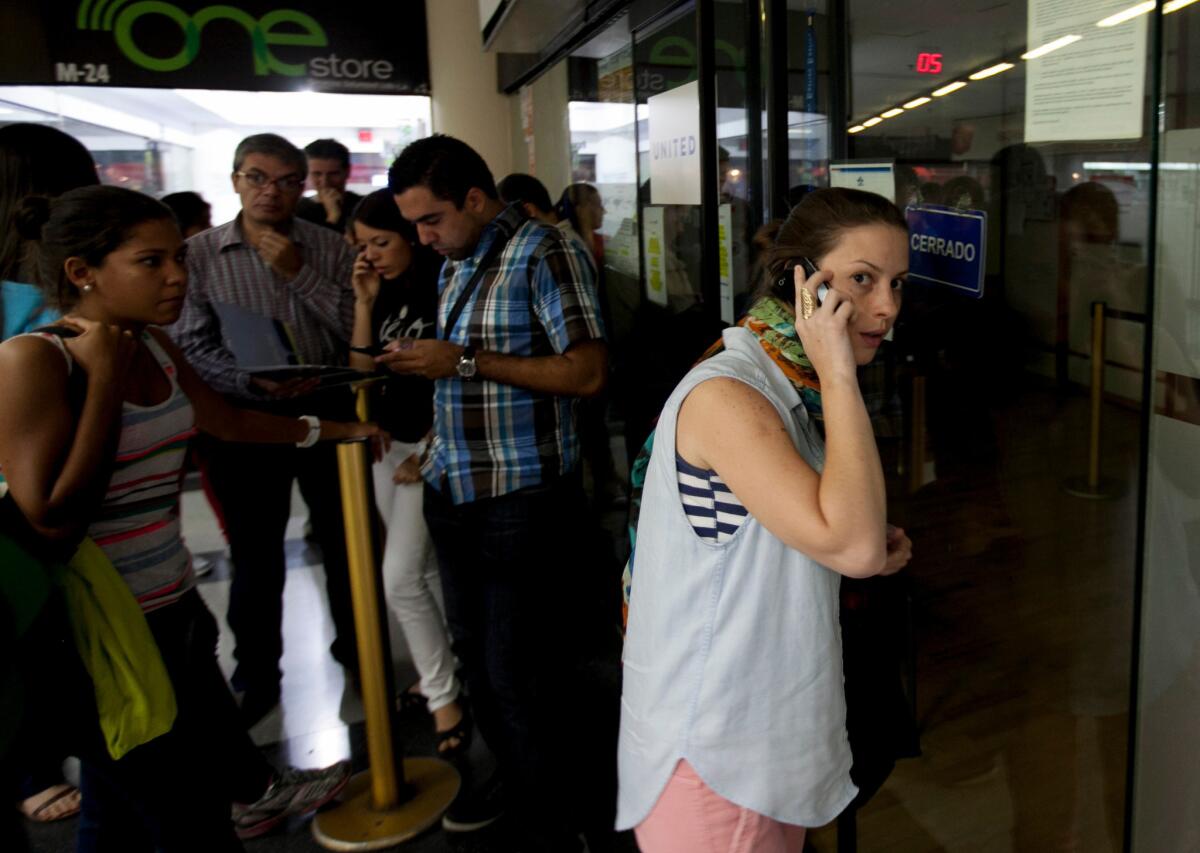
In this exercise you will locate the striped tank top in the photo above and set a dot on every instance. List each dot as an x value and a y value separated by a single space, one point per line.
714 511
137 525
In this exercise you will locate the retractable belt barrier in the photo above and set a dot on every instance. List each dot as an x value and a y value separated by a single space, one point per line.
397 798
1092 485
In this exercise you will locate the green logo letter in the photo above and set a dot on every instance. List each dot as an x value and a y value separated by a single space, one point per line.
123 33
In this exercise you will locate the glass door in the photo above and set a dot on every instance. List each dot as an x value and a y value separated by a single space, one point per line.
1166 777
1009 409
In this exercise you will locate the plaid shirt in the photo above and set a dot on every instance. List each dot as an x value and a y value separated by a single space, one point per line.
537 299
317 306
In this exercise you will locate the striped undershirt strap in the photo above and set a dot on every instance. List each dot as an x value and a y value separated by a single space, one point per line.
713 510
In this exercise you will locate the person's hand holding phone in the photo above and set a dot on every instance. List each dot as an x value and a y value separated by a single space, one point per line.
826 333
364 279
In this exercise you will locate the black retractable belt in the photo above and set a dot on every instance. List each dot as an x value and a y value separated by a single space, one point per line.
492 253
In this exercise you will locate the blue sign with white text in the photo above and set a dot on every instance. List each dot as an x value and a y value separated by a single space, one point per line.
948 246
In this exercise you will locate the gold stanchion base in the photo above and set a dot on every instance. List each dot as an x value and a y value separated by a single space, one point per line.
356 825
1105 490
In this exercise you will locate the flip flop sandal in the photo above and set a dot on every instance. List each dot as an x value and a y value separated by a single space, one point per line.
460 733
39 814
410 701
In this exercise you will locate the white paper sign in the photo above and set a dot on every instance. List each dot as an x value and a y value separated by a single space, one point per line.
675 145
878 178
654 251
725 241
1177 330
1092 86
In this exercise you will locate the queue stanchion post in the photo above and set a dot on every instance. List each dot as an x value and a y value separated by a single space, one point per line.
396 798
1093 485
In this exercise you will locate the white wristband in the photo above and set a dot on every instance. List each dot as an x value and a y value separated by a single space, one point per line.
314 431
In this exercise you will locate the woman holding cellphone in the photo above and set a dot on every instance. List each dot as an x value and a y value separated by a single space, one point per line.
764 487
395 283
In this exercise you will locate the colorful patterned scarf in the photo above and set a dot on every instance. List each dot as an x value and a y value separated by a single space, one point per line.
773 322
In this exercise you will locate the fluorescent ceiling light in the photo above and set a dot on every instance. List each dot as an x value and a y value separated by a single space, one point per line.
990 72
871 122
1103 166
1131 12
892 113
858 128
1048 47
916 102
1176 5
951 87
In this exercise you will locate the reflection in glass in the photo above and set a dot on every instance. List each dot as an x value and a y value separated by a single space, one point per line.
1021 594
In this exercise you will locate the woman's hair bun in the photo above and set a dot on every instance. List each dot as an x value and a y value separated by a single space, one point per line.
31 216
764 238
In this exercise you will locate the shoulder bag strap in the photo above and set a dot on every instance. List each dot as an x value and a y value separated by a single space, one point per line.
492 253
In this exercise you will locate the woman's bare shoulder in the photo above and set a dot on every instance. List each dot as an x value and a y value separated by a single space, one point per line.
32 364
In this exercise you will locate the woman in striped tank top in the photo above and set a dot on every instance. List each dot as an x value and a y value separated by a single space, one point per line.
94 424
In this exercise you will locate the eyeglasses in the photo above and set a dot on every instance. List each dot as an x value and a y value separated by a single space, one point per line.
260 181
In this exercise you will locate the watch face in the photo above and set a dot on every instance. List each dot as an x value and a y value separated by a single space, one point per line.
466 367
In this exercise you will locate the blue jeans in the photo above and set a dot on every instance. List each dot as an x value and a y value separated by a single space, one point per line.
174 794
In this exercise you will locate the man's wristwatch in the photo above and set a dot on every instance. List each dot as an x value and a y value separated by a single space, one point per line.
466 363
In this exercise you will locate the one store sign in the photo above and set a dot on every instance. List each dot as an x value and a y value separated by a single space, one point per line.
948 247
349 46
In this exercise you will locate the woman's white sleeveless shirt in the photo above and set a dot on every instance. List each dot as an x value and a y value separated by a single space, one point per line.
733 656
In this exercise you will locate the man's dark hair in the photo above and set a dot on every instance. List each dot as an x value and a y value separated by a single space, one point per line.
329 149
448 167
190 208
271 145
519 187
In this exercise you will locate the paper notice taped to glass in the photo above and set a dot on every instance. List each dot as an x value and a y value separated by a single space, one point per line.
1084 81
654 251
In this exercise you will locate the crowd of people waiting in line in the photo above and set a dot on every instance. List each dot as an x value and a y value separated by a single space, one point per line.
477 307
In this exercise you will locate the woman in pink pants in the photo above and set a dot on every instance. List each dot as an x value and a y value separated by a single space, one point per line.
763 488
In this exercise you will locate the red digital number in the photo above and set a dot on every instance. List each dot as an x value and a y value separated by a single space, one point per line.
929 63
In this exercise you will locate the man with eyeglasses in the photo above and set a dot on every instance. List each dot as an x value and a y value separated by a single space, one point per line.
328 171
269 274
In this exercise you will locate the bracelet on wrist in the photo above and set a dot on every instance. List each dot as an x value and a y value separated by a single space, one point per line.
314 431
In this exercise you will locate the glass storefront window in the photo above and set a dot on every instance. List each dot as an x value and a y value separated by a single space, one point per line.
1023 575
1165 817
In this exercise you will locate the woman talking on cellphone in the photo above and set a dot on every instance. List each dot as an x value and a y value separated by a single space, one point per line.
95 416
395 283
764 487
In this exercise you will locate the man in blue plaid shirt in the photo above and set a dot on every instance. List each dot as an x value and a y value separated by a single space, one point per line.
503 499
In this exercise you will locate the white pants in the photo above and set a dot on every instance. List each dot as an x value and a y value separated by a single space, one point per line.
411 583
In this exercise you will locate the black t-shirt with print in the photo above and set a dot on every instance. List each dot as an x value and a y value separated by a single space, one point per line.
405 308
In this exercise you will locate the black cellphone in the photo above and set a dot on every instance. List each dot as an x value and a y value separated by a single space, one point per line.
372 350
787 282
